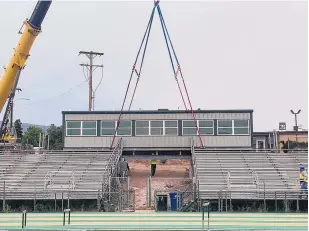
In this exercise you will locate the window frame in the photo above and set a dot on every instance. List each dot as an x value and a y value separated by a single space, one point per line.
233 127
115 125
142 127
96 127
81 127
198 125
248 134
164 127
66 127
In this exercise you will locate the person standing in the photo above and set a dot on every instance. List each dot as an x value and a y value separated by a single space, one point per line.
303 180
153 167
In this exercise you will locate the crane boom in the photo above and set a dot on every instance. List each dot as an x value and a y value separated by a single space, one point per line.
32 28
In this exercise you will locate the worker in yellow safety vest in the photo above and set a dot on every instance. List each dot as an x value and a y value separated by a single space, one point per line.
303 180
153 167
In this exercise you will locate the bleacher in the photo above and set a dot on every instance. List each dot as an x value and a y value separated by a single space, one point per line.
26 175
248 175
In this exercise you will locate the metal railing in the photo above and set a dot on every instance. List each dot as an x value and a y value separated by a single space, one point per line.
111 167
49 201
67 179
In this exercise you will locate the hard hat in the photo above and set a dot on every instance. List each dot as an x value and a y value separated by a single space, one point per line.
301 167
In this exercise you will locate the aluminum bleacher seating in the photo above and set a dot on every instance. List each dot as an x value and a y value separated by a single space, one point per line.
248 175
26 175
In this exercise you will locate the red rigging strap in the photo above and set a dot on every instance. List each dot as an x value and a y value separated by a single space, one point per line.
183 99
147 32
193 114
138 73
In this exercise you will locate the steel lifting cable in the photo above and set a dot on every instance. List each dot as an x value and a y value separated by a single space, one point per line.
171 59
144 52
164 28
134 70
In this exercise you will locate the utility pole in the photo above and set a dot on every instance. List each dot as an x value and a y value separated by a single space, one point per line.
90 55
296 127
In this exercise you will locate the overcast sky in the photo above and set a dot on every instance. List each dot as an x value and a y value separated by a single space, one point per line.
234 55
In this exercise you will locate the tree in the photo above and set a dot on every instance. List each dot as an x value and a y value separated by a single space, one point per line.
32 136
55 137
18 129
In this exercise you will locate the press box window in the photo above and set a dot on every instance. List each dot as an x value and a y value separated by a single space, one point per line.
107 128
89 128
206 127
73 128
142 128
241 127
171 127
124 128
156 128
225 127
189 127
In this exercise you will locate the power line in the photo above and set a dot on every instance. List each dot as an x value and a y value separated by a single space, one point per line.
54 97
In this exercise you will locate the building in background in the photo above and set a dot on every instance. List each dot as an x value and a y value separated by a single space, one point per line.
264 141
273 140
302 136
158 129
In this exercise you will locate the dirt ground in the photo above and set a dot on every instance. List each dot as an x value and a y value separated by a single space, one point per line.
163 179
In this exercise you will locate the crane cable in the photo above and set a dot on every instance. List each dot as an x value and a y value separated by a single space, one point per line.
168 41
134 70
164 28
142 61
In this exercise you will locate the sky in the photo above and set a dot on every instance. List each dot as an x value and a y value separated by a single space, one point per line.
233 55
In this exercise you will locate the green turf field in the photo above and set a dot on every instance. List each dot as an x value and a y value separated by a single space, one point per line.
156 221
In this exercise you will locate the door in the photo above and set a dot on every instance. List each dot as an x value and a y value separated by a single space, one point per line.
260 145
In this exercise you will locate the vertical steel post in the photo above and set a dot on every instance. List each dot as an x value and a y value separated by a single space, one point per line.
62 201
276 202
55 202
264 198
225 202
3 204
297 203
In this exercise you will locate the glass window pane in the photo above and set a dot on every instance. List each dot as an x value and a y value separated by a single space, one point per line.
142 131
125 124
206 123
225 131
89 124
188 123
73 132
241 131
108 131
189 131
206 131
224 123
73 124
171 124
89 132
156 124
108 124
241 123
142 124
123 132
156 131
171 131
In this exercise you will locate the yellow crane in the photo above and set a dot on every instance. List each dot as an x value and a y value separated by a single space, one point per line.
9 79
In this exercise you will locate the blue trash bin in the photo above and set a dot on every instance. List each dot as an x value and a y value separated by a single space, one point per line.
173 197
